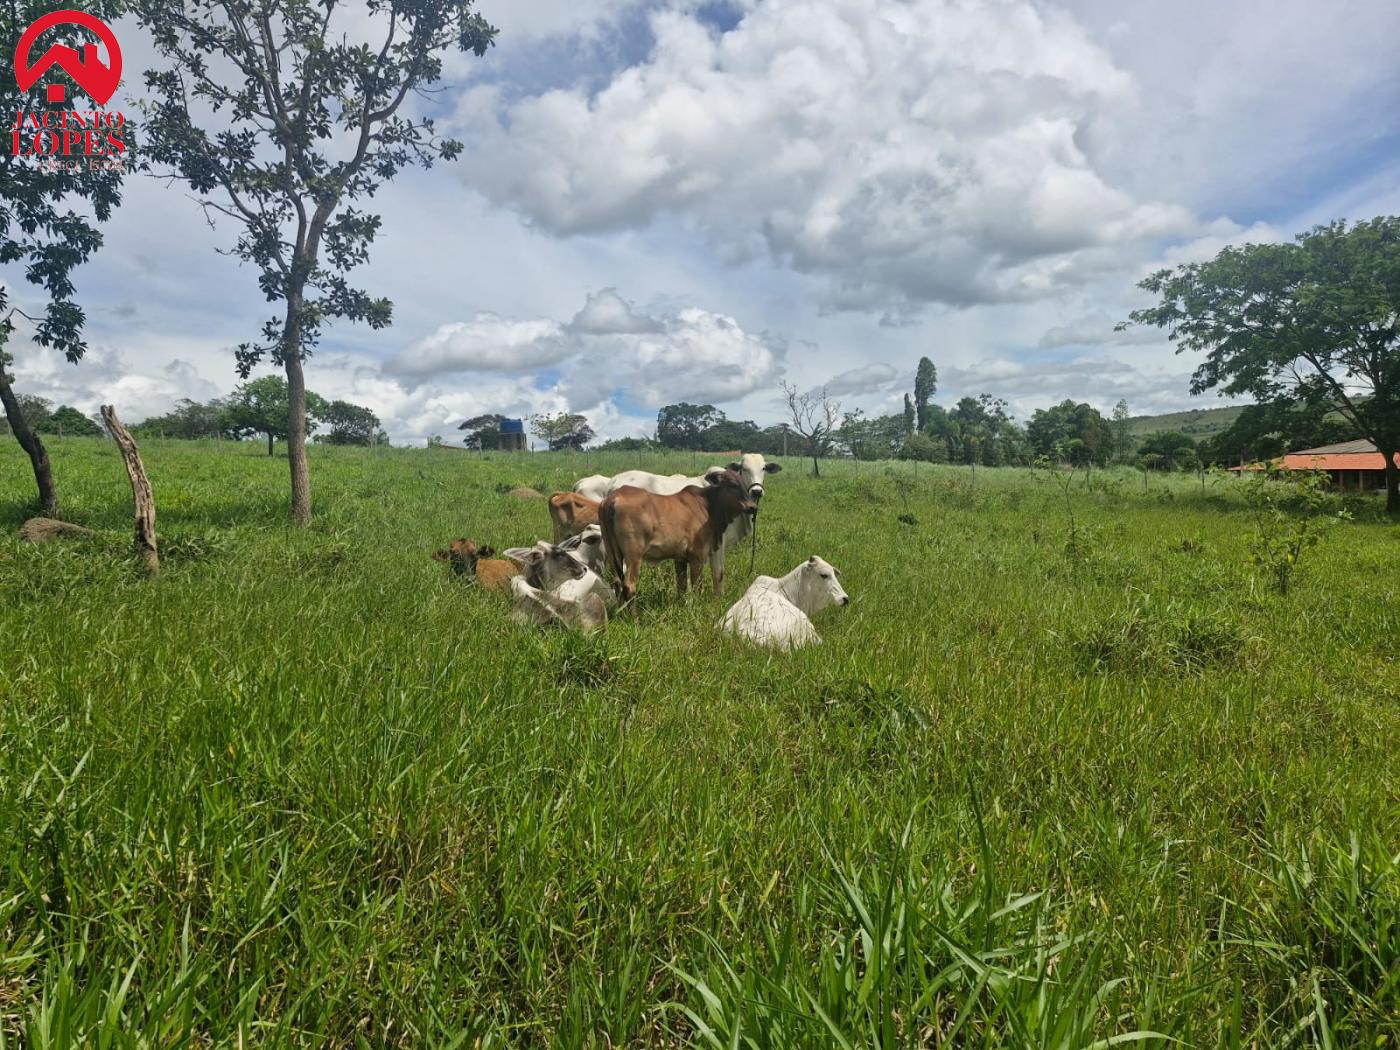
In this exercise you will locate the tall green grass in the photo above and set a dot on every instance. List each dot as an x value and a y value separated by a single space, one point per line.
1034 789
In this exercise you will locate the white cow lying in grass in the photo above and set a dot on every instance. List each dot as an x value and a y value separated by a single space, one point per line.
587 548
774 612
555 586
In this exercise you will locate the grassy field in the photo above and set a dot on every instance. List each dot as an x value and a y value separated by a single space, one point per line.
1034 789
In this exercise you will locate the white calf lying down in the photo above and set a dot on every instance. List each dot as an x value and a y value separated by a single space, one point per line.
556 587
587 548
774 612
530 605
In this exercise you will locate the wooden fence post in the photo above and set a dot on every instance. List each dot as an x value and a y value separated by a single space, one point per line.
140 491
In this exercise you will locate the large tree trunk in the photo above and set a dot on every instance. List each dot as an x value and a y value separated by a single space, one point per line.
270 440
143 500
296 422
1392 482
29 441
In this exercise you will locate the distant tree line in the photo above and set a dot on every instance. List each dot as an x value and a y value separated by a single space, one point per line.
257 409
43 418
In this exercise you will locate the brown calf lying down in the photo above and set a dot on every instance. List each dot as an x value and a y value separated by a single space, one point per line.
687 528
467 559
571 514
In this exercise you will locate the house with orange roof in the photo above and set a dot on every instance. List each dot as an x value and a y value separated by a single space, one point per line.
1352 464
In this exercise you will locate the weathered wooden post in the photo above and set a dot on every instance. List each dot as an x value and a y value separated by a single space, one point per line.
140 490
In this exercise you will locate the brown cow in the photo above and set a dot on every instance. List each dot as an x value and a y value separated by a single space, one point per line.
571 514
467 559
686 528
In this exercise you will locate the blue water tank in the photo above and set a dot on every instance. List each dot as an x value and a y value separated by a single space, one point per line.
512 426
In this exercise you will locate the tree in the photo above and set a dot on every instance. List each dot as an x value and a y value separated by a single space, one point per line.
34 410
67 421
911 423
189 421
1122 432
814 418
313 126
1264 432
925 386
48 221
350 424
683 425
731 435
628 444
922 447
985 434
561 430
261 407
1170 450
1070 431
1316 321
482 431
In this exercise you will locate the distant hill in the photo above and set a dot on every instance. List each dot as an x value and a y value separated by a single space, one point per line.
1198 422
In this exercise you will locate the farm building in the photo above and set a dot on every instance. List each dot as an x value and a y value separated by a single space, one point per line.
1352 464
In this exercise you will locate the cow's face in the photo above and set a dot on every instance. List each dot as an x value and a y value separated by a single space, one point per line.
546 566
729 481
820 585
751 469
462 556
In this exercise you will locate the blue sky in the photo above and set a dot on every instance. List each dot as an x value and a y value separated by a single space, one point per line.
682 201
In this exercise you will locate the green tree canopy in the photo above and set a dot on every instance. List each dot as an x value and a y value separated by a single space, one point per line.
561 430
1316 321
1170 450
482 431
189 421
349 424
260 406
731 435
1267 431
67 421
1073 431
925 386
684 425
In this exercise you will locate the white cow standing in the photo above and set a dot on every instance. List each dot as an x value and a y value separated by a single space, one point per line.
775 612
751 468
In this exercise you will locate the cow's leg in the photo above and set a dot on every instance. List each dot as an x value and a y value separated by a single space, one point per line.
631 570
697 572
680 576
717 568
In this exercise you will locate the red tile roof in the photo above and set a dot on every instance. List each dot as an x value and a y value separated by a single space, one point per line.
1349 455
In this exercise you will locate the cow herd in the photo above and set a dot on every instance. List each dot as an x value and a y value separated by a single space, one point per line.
614 525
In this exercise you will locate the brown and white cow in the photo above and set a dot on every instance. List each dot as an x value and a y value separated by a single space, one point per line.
571 514
686 527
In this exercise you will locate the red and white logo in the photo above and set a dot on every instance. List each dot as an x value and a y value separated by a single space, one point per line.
98 81
63 136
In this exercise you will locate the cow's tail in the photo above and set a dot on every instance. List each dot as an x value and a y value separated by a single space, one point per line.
612 549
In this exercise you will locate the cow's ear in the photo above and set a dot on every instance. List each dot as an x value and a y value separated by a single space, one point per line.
735 466
812 561
523 554
713 475
772 468
486 552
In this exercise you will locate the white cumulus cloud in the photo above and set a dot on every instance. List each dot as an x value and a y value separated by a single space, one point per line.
486 343
907 151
